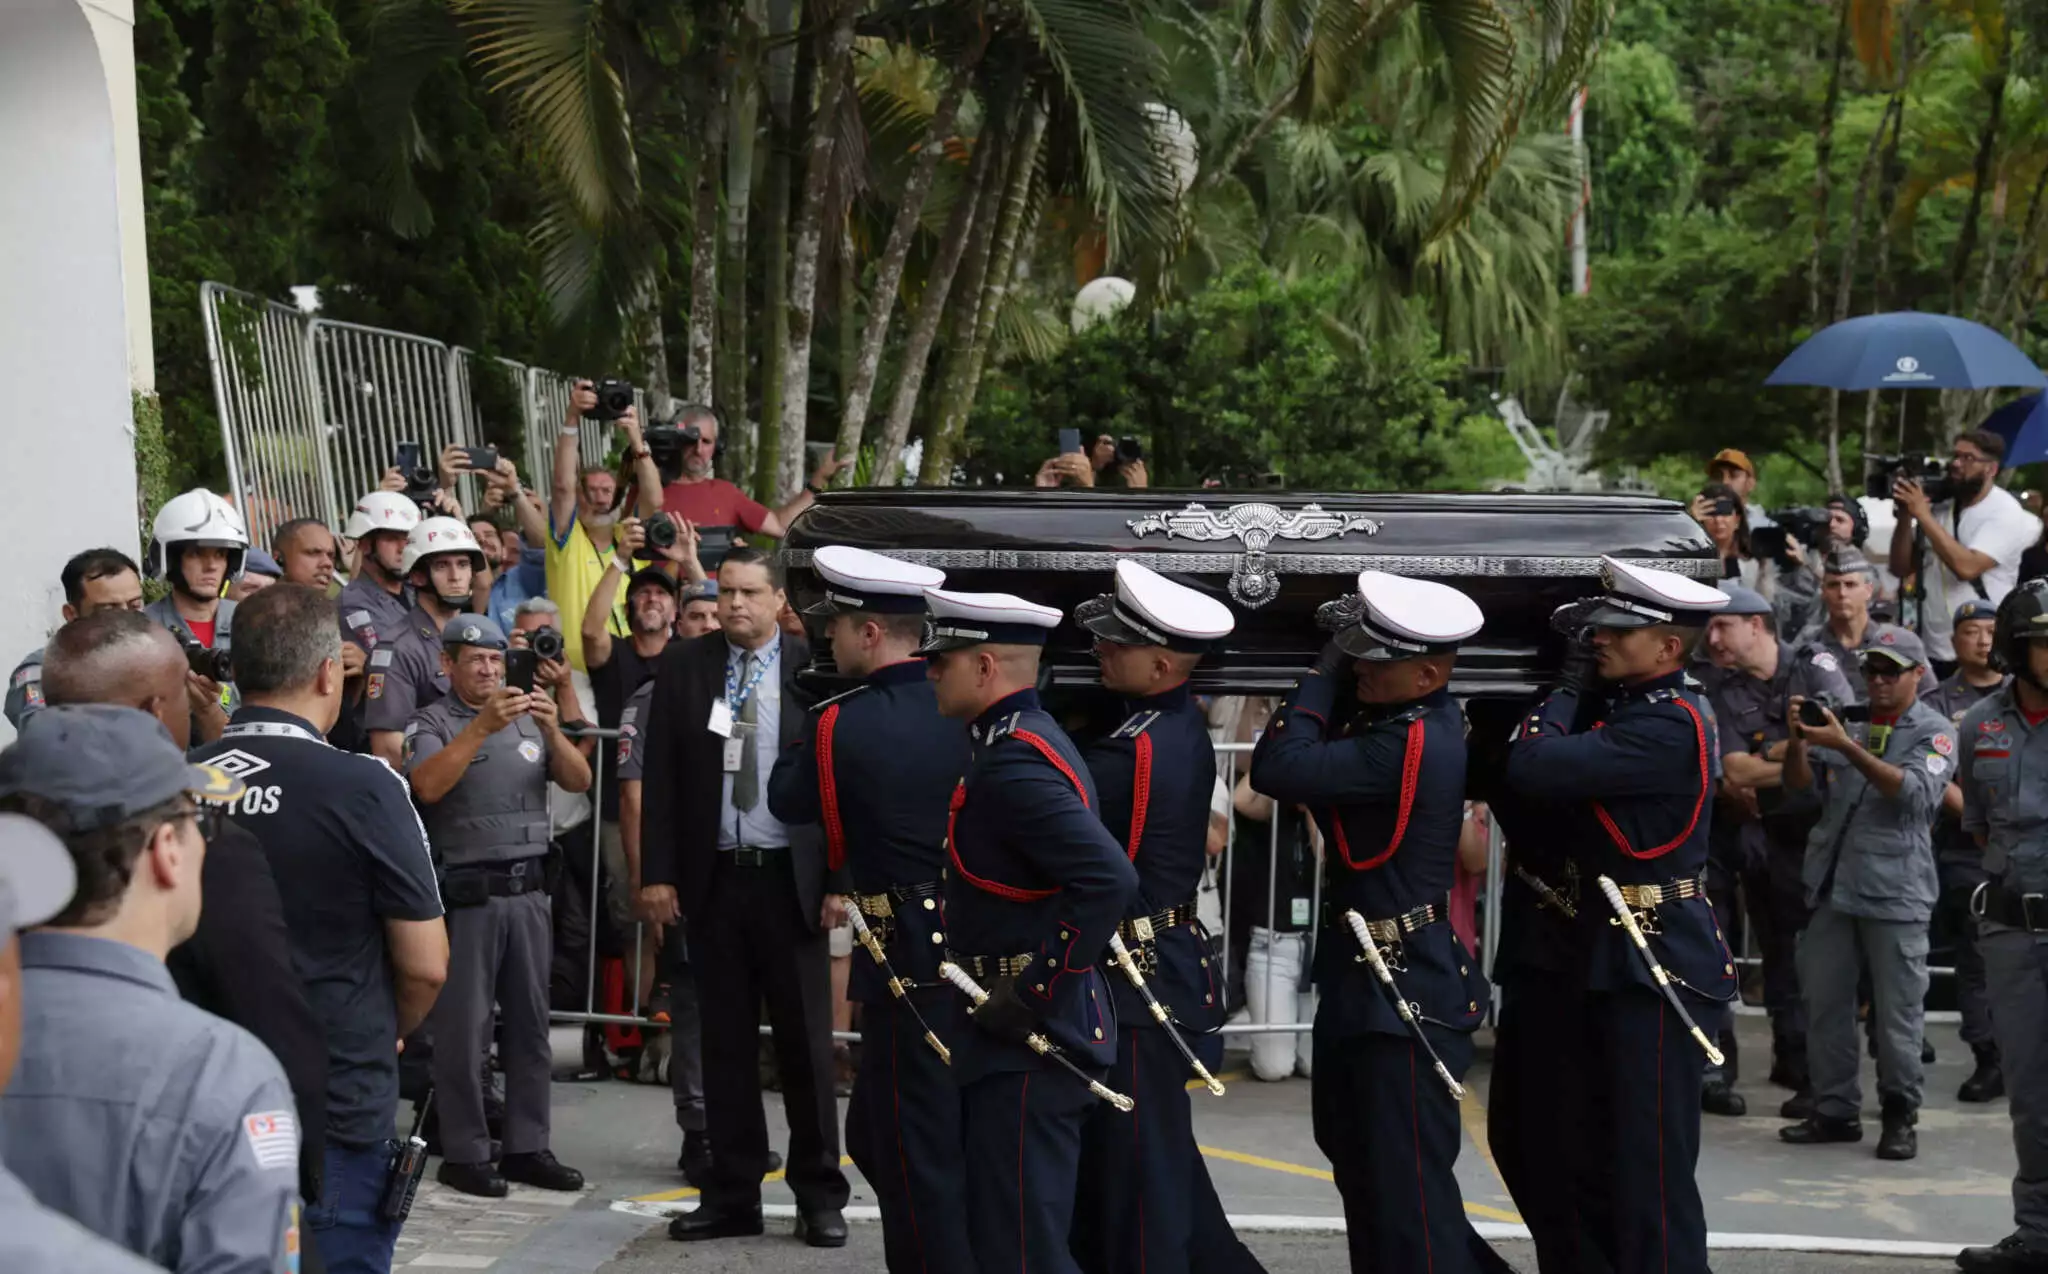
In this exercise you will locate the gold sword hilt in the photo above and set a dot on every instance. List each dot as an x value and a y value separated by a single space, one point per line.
1627 920
1122 953
1363 934
1044 1047
897 986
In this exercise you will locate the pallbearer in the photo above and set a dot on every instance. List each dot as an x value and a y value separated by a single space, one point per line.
876 767
1035 886
1372 742
1146 1201
1630 778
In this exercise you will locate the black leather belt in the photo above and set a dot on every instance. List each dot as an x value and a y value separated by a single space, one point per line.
1641 897
755 855
473 884
1146 928
983 968
1394 928
883 905
2002 905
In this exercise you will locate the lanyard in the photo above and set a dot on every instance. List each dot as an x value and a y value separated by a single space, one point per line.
272 729
737 695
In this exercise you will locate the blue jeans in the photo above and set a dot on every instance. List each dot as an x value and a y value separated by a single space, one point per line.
347 1232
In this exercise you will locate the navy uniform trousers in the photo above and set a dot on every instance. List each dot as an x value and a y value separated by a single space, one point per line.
1023 1151
1533 1123
903 1131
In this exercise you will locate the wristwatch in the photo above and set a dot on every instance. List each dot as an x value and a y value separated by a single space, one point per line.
813 488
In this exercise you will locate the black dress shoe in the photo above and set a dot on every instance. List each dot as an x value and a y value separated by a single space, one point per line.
480 1179
1798 1106
1791 1075
1717 1098
541 1168
822 1229
716 1223
1987 1082
2010 1255
1926 1051
1898 1140
1817 1130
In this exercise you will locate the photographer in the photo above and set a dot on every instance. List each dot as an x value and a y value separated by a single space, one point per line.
582 516
1719 510
522 572
1085 468
1976 538
95 580
1734 470
1871 880
688 446
197 545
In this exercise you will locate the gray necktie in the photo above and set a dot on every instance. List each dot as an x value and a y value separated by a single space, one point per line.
746 785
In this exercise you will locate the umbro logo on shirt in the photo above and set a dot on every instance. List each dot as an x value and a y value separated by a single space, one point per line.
239 763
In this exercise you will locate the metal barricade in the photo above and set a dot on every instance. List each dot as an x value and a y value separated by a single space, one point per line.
376 389
277 459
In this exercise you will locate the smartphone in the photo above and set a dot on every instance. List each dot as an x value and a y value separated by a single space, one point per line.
520 665
1812 714
481 459
411 458
1723 508
1070 442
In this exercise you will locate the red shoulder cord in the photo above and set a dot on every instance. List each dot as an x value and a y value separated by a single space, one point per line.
1699 729
1411 770
1141 792
828 792
1000 890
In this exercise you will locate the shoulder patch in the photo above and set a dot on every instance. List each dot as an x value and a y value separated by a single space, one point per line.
1005 726
357 618
32 672
273 1137
1826 662
1943 744
1135 725
381 658
1937 765
627 716
375 688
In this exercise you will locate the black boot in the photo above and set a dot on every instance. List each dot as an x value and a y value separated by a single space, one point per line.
1898 1140
1717 1098
1926 1051
1816 1131
480 1179
541 1168
2010 1255
1987 1082
1799 1106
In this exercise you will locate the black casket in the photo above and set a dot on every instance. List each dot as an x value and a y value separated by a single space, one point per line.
1284 562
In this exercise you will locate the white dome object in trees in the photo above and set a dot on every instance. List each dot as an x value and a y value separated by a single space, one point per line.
1176 143
1099 300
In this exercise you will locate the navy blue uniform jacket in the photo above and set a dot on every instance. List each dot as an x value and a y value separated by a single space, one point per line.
876 768
1034 870
1387 787
1634 795
1156 773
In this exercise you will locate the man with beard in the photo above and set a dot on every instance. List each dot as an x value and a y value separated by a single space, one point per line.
197 545
405 673
718 508
583 520
1973 542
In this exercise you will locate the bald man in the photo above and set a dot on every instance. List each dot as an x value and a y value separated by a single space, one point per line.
237 965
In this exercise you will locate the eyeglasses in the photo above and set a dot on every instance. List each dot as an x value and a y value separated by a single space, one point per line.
1970 457
1883 672
205 819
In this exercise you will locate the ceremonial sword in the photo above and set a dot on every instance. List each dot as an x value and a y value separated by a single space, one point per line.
1627 920
1360 931
1130 968
897 986
1038 1043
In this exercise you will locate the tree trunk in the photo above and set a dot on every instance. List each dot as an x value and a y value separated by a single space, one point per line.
699 377
847 262
1823 155
931 306
743 119
648 339
2005 316
966 307
782 82
1987 146
867 363
1002 258
1845 281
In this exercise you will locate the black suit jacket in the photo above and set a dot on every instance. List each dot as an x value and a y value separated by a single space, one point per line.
238 965
684 776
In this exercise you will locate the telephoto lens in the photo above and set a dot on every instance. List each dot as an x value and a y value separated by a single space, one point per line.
547 643
661 531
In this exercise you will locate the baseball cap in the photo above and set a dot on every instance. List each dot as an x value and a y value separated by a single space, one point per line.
1899 645
1730 456
1743 600
704 590
652 575
257 562
37 876
474 630
1975 608
101 764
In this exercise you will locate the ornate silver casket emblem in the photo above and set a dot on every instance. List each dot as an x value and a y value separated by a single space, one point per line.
1254 582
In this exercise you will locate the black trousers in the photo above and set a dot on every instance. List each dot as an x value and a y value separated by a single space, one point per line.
903 1131
1022 1159
1533 1110
751 943
1773 906
1973 995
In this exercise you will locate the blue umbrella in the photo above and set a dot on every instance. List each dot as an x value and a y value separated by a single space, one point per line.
2023 423
1907 350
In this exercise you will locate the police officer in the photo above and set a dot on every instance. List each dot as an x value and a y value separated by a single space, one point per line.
1632 782
1145 1200
1759 835
37 880
1957 855
2002 746
480 760
1845 629
1386 780
1036 888
1870 878
197 545
876 768
95 580
407 672
374 603
145 1119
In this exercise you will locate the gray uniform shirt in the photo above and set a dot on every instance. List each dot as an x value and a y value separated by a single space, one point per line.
165 611
2003 771
1873 855
369 615
498 810
1851 661
148 1121
25 688
404 673
37 1240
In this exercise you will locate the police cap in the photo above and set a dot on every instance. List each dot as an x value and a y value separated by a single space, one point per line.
959 620
473 630
862 583
1638 596
1975 608
37 875
1147 609
1743 600
1403 618
101 764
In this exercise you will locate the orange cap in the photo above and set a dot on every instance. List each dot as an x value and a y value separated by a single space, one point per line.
1730 456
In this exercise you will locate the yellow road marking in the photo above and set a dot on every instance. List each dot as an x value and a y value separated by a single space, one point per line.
1226 1077
690 1192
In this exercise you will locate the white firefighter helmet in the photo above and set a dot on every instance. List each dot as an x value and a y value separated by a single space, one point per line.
440 535
196 519
382 511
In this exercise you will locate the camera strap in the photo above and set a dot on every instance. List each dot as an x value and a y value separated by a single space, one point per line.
1955 528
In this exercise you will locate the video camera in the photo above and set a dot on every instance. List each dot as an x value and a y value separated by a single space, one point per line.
1810 711
214 665
1128 451
614 399
1807 525
1931 474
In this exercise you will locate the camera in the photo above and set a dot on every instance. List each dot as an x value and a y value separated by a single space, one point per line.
1813 712
1128 451
214 665
1931 474
667 444
614 399
661 531
1807 525
422 484
546 643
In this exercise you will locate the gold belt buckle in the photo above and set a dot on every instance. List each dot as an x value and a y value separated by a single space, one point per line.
1142 927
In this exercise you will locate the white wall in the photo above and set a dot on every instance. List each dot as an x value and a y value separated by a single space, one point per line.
74 318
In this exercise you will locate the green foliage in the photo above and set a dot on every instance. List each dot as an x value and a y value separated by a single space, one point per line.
1639 143
1246 377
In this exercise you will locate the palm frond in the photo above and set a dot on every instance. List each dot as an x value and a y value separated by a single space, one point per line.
1479 46
409 41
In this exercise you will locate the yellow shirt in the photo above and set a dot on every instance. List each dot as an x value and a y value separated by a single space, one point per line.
574 567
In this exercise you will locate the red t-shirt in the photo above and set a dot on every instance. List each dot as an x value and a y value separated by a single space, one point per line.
204 632
712 502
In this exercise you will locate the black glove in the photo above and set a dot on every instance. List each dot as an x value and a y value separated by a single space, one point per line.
1332 660
1581 664
1003 1014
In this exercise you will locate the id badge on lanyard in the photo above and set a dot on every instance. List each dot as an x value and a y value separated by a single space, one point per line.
735 752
